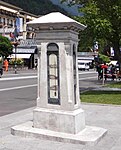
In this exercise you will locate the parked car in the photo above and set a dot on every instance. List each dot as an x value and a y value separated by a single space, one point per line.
1 66
1 69
1 72
83 66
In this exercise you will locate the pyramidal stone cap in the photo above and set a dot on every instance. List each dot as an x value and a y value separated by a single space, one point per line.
55 18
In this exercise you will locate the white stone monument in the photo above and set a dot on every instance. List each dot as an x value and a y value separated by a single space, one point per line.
58 115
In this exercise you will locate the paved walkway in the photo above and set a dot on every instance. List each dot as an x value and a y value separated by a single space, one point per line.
106 116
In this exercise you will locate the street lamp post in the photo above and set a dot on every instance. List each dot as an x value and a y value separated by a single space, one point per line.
15 58
15 64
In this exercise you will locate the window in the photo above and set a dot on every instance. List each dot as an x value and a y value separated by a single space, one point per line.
3 21
53 74
7 21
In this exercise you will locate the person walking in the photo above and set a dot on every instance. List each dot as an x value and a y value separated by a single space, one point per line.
99 70
6 65
113 72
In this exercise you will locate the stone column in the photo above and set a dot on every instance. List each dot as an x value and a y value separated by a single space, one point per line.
58 115
66 116
38 72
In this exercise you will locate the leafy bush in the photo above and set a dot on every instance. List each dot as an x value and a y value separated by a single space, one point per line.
104 58
19 61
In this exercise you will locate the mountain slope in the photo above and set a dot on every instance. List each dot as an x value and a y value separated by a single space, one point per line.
73 10
37 7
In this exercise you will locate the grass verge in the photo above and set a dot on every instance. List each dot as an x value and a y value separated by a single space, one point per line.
103 97
114 85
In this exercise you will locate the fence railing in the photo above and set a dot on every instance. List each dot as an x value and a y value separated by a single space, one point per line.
6 30
27 42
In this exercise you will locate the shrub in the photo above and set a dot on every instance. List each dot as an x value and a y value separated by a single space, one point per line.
19 61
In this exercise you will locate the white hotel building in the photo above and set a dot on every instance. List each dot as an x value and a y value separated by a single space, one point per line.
11 16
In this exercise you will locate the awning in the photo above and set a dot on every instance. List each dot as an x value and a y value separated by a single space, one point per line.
24 50
27 56
113 62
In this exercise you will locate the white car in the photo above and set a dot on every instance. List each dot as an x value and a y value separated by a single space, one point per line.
83 66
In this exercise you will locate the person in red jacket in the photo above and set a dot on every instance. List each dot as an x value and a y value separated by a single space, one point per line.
6 65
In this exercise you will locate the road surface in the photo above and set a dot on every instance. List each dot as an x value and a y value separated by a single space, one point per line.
19 91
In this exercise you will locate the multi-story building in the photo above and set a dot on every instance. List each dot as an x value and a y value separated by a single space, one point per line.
11 18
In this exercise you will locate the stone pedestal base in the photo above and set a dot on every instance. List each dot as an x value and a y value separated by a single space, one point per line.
59 121
61 126
90 135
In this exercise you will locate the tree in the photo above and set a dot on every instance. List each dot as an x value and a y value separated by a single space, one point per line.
5 47
103 20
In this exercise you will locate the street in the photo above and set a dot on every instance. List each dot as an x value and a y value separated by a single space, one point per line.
19 91
88 80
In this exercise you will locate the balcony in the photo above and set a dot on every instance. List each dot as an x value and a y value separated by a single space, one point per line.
27 43
6 30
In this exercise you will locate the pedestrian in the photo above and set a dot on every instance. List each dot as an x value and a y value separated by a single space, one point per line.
99 70
113 72
104 70
6 65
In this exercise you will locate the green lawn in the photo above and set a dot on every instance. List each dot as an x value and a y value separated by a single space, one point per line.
114 85
103 97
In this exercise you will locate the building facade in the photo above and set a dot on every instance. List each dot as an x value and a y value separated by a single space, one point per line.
13 22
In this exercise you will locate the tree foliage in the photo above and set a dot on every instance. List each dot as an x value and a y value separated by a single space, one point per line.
5 46
103 20
104 58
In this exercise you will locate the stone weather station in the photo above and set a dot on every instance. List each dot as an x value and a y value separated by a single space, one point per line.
58 115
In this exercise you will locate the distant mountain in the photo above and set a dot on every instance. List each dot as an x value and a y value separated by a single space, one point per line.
73 10
37 7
